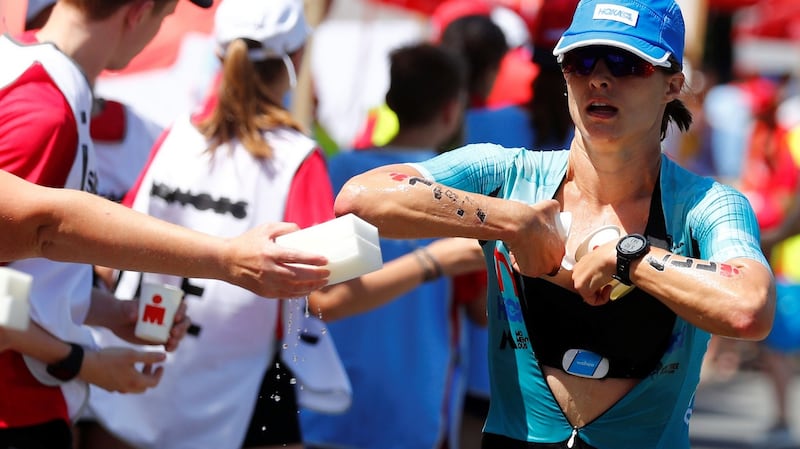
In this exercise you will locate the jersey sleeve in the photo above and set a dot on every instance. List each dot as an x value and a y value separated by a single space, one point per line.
478 168
725 227
310 199
38 132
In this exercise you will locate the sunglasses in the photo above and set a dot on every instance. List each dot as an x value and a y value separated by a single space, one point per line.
582 61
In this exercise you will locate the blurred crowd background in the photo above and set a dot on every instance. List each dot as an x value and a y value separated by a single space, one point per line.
743 63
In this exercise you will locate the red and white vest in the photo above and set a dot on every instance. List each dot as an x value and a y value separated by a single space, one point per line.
61 292
223 194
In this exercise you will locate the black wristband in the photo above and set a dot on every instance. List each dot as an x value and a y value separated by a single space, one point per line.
68 368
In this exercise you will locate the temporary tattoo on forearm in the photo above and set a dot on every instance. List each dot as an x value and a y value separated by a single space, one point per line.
658 264
728 271
438 194
437 190
685 264
711 266
723 269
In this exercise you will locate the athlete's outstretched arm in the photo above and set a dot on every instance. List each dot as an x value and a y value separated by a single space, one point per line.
402 204
73 226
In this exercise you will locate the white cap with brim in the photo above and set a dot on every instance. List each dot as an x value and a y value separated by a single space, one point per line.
653 30
280 27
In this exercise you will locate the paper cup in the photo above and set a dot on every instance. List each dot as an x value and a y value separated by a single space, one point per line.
157 306
601 236
598 237
15 289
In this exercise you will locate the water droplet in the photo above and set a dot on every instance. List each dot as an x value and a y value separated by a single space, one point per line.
277 398
285 346
292 381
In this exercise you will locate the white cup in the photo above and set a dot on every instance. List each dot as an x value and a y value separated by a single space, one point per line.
157 306
599 237
15 289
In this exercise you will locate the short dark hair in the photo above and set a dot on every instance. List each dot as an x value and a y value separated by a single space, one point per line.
424 78
481 43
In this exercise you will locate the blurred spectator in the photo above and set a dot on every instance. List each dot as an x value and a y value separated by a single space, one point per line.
550 121
692 149
408 386
727 112
770 179
502 116
479 41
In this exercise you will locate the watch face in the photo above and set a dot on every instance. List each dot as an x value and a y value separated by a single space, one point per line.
631 244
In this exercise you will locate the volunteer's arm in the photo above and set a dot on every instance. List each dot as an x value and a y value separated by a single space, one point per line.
73 226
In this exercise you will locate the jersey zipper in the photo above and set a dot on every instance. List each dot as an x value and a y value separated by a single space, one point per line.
571 440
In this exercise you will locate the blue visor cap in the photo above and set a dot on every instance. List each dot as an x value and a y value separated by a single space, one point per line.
653 30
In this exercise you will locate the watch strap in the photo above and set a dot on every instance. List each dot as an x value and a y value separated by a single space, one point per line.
623 273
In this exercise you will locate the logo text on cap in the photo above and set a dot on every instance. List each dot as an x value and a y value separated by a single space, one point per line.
616 13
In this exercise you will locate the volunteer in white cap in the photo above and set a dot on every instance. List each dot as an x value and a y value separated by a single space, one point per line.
570 368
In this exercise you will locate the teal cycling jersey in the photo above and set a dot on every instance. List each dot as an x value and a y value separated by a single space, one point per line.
703 218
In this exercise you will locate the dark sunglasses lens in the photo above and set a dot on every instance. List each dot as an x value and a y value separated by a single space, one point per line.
579 63
624 64
619 63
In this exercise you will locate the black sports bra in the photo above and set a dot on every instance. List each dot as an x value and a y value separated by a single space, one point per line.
632 332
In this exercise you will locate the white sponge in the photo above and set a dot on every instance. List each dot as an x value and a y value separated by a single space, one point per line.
351 245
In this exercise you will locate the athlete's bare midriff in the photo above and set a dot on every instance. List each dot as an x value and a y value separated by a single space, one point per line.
583 400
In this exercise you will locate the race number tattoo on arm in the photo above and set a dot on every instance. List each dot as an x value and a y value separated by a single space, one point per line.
728 271
659 265
722 269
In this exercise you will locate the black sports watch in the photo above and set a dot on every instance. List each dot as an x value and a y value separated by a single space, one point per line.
68 368
629 248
